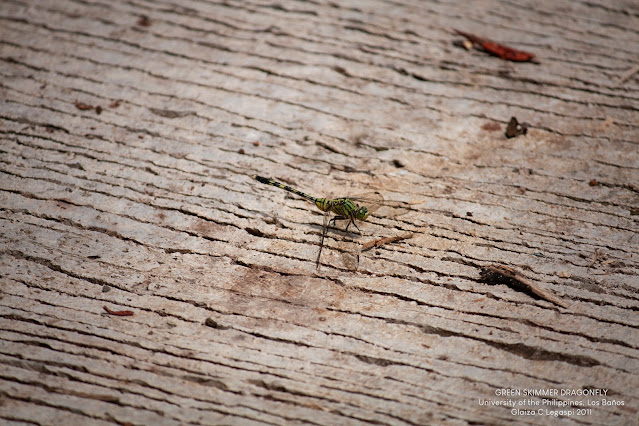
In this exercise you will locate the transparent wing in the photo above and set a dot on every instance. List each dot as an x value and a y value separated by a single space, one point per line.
350 252
322 236
375 203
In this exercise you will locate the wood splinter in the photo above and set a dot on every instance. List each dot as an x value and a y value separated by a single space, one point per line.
504 275
387 240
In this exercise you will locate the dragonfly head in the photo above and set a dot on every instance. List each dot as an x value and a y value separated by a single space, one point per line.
361 213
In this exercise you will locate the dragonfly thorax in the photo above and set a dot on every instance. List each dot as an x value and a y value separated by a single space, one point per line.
346 208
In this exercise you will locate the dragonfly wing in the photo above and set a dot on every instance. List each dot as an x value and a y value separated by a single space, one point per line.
322 236
371 200
350 252
375 203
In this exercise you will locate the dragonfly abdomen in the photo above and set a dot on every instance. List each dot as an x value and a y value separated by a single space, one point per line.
323 204
289 189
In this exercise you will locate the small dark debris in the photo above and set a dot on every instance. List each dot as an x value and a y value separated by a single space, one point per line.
177 250
98 109
341 70
115 103
144 21
399 70
256 143
469 214
93 257
515 128
76 166
255 232
210 322
150 170
398 163
241 151
593 182
106 289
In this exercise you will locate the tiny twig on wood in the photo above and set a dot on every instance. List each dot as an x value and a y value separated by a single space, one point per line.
595 258
505 275
625 76
118 313
387 240
499 50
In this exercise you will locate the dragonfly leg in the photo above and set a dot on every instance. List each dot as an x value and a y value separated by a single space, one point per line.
337 218
350 220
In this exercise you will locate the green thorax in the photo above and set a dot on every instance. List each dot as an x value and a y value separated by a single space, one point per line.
343 207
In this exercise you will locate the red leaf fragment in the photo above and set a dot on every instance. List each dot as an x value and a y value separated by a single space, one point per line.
118 313
82 106
144 21
85 107
499 50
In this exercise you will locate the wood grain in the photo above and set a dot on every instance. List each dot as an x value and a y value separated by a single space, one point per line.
129 134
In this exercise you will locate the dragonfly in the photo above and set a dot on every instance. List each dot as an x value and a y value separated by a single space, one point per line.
354 209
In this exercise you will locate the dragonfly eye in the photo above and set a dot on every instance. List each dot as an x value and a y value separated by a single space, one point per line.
362 213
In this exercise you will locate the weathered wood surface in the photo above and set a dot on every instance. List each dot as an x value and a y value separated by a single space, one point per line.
148 206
